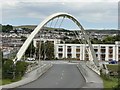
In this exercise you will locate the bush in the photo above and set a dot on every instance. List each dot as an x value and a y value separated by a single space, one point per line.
7 68
11 71
20 68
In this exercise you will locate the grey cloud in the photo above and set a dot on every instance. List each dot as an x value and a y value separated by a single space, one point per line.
90 11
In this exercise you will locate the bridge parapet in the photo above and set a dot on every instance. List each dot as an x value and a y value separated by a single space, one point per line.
93 67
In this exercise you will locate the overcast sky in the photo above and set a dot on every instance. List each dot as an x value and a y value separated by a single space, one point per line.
91 14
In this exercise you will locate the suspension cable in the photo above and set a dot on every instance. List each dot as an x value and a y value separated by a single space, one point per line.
77 36
51 23
56 22
84 42
44 45
31 50
39 61
86 49
61 22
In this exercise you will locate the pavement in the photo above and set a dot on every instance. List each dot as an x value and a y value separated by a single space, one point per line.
93 80
59 76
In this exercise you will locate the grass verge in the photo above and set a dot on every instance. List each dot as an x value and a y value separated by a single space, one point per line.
112 67
110 82
8 81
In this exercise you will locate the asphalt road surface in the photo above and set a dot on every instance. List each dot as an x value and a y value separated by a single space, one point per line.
59 76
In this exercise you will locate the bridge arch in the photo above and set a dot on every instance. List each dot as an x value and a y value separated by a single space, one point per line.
38 28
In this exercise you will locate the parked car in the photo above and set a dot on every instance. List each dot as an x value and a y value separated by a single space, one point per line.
31 59
112 62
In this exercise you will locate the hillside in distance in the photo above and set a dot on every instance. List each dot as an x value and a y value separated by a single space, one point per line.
105 31
26 26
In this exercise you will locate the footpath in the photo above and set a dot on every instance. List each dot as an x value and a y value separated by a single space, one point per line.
93 80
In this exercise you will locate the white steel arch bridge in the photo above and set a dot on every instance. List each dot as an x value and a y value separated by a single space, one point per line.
24 47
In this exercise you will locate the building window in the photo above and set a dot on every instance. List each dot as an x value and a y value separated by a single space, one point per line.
60 55
96 55
110 47
103 57
118 49
60 49
77 55
102 46
119 56
110 56
68 46
96 50
69 55
103 50
60 46
69 49
110 50
77 50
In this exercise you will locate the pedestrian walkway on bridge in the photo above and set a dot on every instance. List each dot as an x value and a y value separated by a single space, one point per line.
93 80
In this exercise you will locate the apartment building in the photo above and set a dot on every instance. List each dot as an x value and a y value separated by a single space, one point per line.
104 52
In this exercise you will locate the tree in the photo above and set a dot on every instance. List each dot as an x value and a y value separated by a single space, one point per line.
7 28
7 68
108 40
20 68
49 50
46 50
96 41
30 50
1 57
42 47
76 41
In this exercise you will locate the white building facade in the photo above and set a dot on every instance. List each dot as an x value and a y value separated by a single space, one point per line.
104 52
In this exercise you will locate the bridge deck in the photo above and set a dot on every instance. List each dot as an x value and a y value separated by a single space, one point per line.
59 76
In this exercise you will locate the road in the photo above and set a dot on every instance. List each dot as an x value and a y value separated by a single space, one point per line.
59 76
